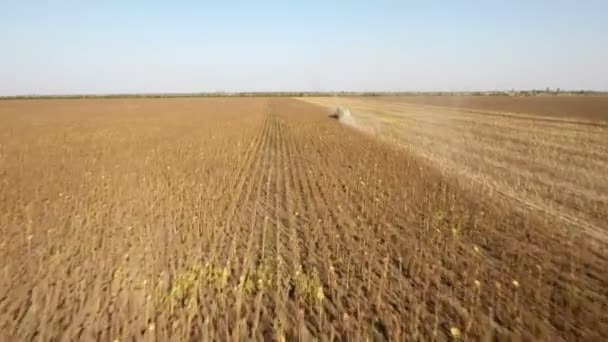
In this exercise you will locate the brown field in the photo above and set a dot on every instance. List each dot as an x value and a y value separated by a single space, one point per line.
555 166
263 218
589 107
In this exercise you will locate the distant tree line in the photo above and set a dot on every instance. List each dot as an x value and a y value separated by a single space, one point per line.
533 92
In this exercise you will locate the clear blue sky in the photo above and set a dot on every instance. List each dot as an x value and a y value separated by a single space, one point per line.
58 47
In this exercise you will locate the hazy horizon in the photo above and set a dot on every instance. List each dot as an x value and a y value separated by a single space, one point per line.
186 47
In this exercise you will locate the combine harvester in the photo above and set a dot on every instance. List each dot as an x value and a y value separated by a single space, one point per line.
343 115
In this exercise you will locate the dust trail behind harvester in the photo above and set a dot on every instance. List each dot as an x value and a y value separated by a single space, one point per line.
344 115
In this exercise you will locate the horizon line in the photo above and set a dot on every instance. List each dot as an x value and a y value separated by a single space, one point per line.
304 93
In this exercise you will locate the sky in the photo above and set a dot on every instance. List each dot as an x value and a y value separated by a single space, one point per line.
101 47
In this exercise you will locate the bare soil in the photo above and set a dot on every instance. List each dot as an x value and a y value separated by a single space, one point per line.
265 219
